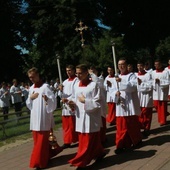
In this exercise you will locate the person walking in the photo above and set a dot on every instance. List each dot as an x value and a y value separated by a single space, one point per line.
85 100
145 94
110 98
161 81
68 115
41 102
93 71
127 110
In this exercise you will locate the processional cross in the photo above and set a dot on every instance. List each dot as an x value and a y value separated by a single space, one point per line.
81 28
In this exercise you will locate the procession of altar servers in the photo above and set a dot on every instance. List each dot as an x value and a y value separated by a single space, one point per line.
129 97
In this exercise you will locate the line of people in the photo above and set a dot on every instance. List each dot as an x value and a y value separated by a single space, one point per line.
130 98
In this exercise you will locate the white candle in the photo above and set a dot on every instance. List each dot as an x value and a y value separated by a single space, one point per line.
59 70
114 60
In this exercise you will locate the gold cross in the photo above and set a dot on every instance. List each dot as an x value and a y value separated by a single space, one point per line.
81 28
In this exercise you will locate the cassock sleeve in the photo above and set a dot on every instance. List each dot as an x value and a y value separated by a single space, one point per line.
29 101
128 84
146 85
92 103
51 102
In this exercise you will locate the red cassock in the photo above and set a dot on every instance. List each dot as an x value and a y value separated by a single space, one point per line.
161 108
69 133
145 118
128 131
86 150
42 151
111 116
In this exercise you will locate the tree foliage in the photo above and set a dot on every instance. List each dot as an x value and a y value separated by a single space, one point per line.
10 15
46 28
143 23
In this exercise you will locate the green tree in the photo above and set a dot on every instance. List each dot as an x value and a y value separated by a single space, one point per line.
142 23
52 27
163 50
10 19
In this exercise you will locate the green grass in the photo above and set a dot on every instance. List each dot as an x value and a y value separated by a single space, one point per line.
20 130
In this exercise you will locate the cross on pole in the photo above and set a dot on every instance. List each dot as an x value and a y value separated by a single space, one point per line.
81 28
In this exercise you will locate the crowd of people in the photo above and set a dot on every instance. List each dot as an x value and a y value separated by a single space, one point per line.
89 101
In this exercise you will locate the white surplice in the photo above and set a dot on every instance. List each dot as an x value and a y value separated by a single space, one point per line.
160 90
67 92
88 116
145 90
129 101
41 118
110 91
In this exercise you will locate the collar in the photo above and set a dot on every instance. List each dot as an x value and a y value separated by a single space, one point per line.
159 71
84 83
142 73
169 67
71 78
38 85
122 74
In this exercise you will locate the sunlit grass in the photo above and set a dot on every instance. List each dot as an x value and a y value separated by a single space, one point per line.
20 130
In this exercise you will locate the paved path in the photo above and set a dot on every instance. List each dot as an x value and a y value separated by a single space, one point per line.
154 154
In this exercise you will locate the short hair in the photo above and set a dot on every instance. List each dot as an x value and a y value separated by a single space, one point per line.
14 80
158 60
3 83
71 67
33 69
83 67
126 60
109 66
92 67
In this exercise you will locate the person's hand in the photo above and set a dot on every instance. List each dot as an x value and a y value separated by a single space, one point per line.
109 83
118 79
6 93
118 93
60 87
64 100
45 97
157 80
139 81
81 98
71 105
34 96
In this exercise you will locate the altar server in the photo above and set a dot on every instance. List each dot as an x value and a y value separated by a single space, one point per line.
145 94
110 89
127 110
68 116
85 100
161 81
41 102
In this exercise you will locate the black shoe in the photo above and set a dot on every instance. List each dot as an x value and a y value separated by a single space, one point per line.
112 124
162 124
100 157
119 150
138 145
146 133
64 146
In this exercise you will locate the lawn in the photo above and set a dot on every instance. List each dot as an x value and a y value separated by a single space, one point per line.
19 130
